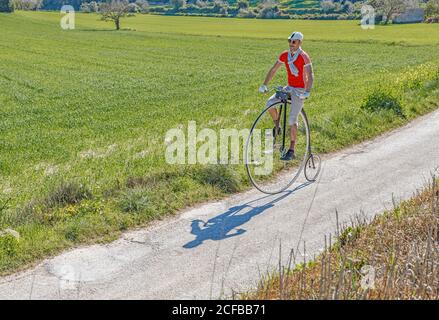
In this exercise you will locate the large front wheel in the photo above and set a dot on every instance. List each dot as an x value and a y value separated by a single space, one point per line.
266 171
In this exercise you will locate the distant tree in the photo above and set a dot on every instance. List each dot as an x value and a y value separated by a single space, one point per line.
94 6
432 8
243 13
114 10
85 7
243 4
27 4
143 6
6 6
347 7
133 8
223 11
201 3
220 7
327 5
388 8
268 10
177 4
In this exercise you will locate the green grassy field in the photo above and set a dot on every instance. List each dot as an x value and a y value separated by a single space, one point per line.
84 112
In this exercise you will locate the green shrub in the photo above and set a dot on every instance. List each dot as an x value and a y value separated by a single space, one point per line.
8 244
181 184
221 176
44 210
84 208
134 200
85 228
380 100
67 193
72 231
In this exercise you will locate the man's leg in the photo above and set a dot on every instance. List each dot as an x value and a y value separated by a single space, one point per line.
274 115
293 135
273 111
296 108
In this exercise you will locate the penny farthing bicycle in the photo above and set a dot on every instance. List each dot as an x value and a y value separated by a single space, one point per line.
264 149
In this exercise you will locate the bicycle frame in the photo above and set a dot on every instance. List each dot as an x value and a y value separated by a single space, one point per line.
283 107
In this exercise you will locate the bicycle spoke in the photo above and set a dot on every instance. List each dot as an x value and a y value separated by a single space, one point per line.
312 168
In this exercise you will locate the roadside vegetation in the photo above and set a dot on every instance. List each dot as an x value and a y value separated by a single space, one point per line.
394 256
84 112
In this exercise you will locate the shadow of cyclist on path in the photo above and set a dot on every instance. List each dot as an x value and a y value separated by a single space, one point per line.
219 227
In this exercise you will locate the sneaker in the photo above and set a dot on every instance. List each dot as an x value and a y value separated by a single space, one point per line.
289 155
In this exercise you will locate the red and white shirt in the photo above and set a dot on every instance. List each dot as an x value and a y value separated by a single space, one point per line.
302 60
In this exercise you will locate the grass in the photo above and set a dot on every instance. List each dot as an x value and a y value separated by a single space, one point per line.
394 257
89 109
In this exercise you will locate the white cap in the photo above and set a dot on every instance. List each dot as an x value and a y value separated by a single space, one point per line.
296 35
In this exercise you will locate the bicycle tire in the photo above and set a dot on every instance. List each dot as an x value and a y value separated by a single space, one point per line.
314 161
267 186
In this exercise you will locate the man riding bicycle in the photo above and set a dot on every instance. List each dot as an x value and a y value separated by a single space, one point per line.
300 81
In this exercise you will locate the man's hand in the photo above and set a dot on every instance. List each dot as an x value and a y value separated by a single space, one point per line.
263 89
304 95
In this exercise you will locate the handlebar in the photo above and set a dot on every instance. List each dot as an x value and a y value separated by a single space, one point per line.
282 89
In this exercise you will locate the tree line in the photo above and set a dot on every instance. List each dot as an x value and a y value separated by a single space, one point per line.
266 9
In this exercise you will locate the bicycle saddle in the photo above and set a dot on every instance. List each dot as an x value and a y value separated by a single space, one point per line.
282 95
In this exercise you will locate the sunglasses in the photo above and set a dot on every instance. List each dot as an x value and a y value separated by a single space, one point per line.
294 41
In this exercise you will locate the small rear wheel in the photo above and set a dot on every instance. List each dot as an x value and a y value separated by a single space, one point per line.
312 167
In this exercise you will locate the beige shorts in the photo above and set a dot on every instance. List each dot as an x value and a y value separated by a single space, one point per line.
296 103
